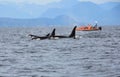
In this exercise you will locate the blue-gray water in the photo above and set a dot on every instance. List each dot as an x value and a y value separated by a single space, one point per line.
94 54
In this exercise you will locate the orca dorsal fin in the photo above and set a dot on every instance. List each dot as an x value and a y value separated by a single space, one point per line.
48 35
53 33
73 32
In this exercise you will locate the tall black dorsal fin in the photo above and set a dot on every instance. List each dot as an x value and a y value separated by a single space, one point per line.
73 32
53 33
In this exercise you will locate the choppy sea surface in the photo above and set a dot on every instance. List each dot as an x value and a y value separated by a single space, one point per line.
93 54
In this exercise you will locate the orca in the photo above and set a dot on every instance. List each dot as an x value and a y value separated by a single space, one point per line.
35 37
72 35
39 37
53 35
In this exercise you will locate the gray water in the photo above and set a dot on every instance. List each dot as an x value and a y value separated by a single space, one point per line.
94 54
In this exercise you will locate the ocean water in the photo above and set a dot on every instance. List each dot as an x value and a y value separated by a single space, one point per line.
93 54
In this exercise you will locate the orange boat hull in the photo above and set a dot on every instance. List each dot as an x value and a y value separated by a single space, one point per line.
87 28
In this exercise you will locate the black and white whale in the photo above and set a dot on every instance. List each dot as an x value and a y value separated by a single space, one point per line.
39 37
53 35
72 34
35 37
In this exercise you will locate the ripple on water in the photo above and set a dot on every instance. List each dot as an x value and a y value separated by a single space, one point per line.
96 54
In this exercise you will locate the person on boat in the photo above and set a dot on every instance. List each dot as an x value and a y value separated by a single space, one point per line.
95 25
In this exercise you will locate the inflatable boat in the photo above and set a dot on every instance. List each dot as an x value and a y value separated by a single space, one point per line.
88 28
